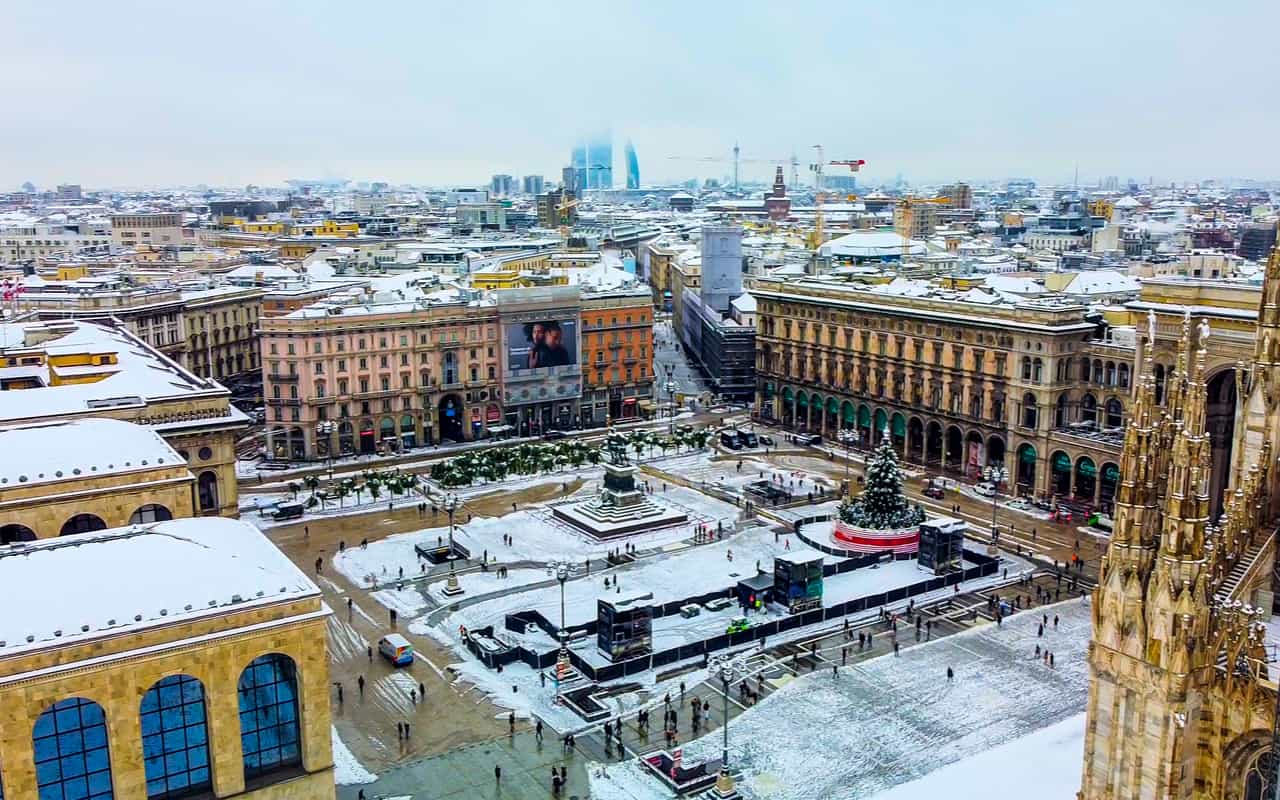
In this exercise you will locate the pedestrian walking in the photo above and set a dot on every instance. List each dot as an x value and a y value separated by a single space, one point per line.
950 674
360 684
413 696
339 684
369 650
306 531
1055 622
422 690
406 731
537 731
400 731
350 603
895 647
497 773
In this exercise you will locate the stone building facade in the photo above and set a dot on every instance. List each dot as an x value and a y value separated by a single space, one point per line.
1182 700
76 370
87 475
617 354
247 675
957 386
363 378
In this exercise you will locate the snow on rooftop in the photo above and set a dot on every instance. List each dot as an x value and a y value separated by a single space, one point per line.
126 579
871 244
45 453
1102 281
140 372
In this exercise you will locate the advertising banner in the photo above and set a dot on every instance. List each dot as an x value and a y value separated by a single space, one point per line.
542 345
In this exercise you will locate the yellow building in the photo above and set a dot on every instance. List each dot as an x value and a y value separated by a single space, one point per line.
329 228
85 475
71 370
181 658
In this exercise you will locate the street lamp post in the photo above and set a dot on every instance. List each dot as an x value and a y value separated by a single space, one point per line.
451 506
325 428
995 475
728 669
846 436
562 657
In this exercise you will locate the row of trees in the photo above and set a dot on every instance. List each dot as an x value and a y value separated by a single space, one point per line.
372 482
499 463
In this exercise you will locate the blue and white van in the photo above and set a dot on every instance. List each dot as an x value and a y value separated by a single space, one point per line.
396 649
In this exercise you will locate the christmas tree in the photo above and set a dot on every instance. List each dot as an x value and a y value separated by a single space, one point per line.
882 505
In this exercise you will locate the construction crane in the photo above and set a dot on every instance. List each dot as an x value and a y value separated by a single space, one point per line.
736 159
907 205
563 209
819 196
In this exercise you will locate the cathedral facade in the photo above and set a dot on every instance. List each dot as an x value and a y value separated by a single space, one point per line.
1182 699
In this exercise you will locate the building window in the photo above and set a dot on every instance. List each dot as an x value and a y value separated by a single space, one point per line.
1030 414
70 746
269 735
175 737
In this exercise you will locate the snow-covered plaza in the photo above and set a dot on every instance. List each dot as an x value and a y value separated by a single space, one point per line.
895 728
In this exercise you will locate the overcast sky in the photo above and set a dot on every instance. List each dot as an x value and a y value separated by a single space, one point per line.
140 93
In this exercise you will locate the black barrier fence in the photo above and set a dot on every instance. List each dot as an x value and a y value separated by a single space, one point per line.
983 566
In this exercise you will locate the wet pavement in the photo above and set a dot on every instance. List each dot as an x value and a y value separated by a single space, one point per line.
467 772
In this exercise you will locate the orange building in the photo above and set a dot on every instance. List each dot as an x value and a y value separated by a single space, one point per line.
617 354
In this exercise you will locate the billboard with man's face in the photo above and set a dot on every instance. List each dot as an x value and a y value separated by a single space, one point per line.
545 344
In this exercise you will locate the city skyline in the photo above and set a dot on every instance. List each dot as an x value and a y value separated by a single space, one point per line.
974 93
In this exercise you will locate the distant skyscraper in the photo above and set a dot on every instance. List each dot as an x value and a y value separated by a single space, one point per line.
633 166
501 185
532 184
593 161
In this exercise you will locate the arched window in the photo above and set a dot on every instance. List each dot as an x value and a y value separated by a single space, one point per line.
1037 370
1159 370
1030 414
175 737
1097 370
1089 409
1124 376
1060 412
207 489
1257 780
82 523
1115 413
69 742
1111 373
13 532
151 512
269 732
1026 368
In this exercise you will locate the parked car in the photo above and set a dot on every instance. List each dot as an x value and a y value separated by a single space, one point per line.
396 649
808 439
766 440
936 492
985 489
738 624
